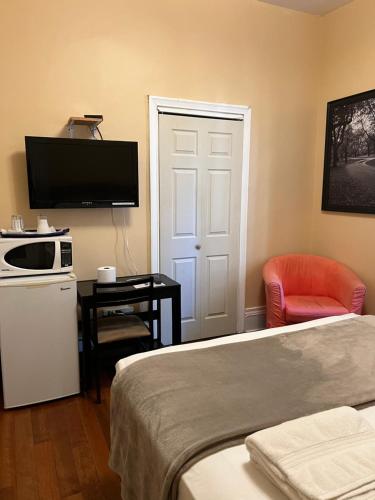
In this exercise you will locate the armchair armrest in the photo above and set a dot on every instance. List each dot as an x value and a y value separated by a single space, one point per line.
348 289
274 297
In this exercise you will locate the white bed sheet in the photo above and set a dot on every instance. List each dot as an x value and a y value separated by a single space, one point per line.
229 474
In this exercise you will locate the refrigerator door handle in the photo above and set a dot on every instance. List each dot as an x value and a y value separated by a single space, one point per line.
40 284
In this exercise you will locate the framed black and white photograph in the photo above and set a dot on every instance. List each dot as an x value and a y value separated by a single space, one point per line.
349 162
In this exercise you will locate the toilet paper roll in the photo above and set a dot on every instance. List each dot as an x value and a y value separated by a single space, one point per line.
106 274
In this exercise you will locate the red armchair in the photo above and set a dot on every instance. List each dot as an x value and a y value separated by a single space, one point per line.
301 287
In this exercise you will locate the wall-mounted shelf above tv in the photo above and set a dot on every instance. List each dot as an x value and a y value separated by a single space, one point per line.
92 121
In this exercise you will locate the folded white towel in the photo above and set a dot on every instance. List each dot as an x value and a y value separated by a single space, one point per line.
325 456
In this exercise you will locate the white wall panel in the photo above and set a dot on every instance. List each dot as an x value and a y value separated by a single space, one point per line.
220 144
184 271
185 202
217 286
185 142
219 201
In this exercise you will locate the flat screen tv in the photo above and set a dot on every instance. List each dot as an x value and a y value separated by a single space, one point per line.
81 173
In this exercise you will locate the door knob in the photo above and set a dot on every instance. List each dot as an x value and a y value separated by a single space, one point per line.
197 247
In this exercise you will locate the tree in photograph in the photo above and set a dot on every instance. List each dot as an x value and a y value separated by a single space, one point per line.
348 143
342 117
369 108
367 122
358 143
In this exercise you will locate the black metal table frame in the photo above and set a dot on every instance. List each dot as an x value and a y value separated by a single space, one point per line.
170 290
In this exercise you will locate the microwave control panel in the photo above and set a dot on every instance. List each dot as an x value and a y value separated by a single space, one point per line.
66 254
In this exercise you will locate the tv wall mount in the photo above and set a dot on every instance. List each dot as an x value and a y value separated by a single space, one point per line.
91 121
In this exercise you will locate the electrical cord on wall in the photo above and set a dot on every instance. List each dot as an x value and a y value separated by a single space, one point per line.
93 129
116 231
126 249
101 137
126 245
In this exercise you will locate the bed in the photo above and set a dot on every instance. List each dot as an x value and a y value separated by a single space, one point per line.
228 473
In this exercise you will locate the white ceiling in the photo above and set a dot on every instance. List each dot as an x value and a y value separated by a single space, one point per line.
318 7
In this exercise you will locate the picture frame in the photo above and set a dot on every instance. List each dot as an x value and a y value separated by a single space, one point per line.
349 158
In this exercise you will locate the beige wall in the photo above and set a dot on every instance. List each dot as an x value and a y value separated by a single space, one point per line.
348 57
88 56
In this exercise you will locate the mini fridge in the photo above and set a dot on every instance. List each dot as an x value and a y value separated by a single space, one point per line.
38 338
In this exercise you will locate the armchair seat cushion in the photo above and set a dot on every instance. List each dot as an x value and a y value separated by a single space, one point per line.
299 308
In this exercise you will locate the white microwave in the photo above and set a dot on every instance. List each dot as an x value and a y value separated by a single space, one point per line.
34 256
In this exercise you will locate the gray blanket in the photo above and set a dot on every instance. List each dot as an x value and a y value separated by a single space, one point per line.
171 410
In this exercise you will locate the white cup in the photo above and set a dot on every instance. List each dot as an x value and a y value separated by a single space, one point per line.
43 226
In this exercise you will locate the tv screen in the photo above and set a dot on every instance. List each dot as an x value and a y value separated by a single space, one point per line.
81 173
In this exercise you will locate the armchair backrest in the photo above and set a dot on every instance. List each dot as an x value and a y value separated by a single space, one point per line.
303 274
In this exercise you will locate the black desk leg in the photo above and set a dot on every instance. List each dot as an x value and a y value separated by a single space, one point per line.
158 302
86 365
176 316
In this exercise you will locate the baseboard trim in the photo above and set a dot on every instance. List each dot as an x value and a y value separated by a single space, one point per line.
255 318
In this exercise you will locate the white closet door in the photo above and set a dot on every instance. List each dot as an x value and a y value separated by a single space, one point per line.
200 194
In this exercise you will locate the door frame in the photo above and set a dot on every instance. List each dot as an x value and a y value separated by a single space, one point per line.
209 110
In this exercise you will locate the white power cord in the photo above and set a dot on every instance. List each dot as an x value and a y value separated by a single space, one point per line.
126 245
116 231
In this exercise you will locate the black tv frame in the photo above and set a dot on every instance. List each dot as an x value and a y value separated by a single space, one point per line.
113 203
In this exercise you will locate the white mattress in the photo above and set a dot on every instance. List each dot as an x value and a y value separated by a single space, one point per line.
229 474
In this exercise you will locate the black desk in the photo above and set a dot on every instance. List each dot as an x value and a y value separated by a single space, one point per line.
170 290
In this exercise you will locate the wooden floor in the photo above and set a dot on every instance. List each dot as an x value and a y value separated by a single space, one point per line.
57 450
